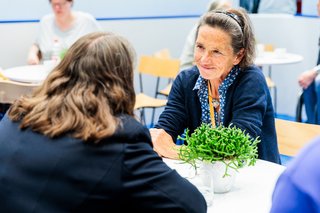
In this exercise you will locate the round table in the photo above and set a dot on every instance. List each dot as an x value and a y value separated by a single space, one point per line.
252 191
32 74
272 58
21 80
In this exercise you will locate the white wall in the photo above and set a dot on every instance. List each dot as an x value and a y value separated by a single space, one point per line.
297 34
309 7
146 35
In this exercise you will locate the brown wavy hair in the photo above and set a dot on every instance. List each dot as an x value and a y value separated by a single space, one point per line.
84 95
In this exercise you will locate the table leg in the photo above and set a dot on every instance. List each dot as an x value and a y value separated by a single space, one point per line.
269 71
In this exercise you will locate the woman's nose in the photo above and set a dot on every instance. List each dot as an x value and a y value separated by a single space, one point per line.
205 57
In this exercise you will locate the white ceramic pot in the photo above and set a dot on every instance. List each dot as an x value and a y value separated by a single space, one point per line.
221 183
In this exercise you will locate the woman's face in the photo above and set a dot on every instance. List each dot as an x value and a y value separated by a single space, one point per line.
61 7
213 53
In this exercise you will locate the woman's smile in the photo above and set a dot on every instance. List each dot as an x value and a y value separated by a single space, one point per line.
206 70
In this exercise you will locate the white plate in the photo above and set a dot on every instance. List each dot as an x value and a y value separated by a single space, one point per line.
27 74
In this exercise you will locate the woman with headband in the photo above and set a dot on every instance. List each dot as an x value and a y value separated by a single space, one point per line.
223 88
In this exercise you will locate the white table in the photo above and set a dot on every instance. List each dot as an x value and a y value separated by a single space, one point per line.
33 74
271 58
251 193
21 80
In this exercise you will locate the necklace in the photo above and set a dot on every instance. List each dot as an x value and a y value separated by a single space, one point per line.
213 105
215 102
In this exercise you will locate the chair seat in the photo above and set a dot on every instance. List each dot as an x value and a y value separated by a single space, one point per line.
293 136
143 101
159 67
166 90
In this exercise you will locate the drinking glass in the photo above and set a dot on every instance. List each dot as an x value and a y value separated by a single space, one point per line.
202 179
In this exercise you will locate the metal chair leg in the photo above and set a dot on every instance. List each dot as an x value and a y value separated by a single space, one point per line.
142 116
275 100
152 118
299 107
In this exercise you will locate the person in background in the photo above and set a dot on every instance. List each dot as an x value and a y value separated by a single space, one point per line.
186 57
74 145
223 88
310 82
61 28
278 6
251 6
297 188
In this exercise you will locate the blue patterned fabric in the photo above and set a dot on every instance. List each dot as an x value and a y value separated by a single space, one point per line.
201 86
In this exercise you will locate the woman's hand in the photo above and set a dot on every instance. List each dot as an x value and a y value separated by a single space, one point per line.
306 78
33 57
163 144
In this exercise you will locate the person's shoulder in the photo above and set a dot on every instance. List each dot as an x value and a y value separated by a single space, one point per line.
305 165
87 20
133 130
252 70
190 71
47 18
251 76
309 154
187 78
84 15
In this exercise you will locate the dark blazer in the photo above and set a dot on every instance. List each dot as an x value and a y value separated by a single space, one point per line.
248 106
39 174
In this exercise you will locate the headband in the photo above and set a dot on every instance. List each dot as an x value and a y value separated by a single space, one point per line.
233 16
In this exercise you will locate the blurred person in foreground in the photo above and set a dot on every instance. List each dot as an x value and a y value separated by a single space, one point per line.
223 88
187 55
310 82
75 146
298 187
63 26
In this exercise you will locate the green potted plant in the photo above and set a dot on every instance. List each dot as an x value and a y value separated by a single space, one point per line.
229 145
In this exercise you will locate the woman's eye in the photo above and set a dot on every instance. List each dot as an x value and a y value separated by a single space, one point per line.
198 46
216 52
